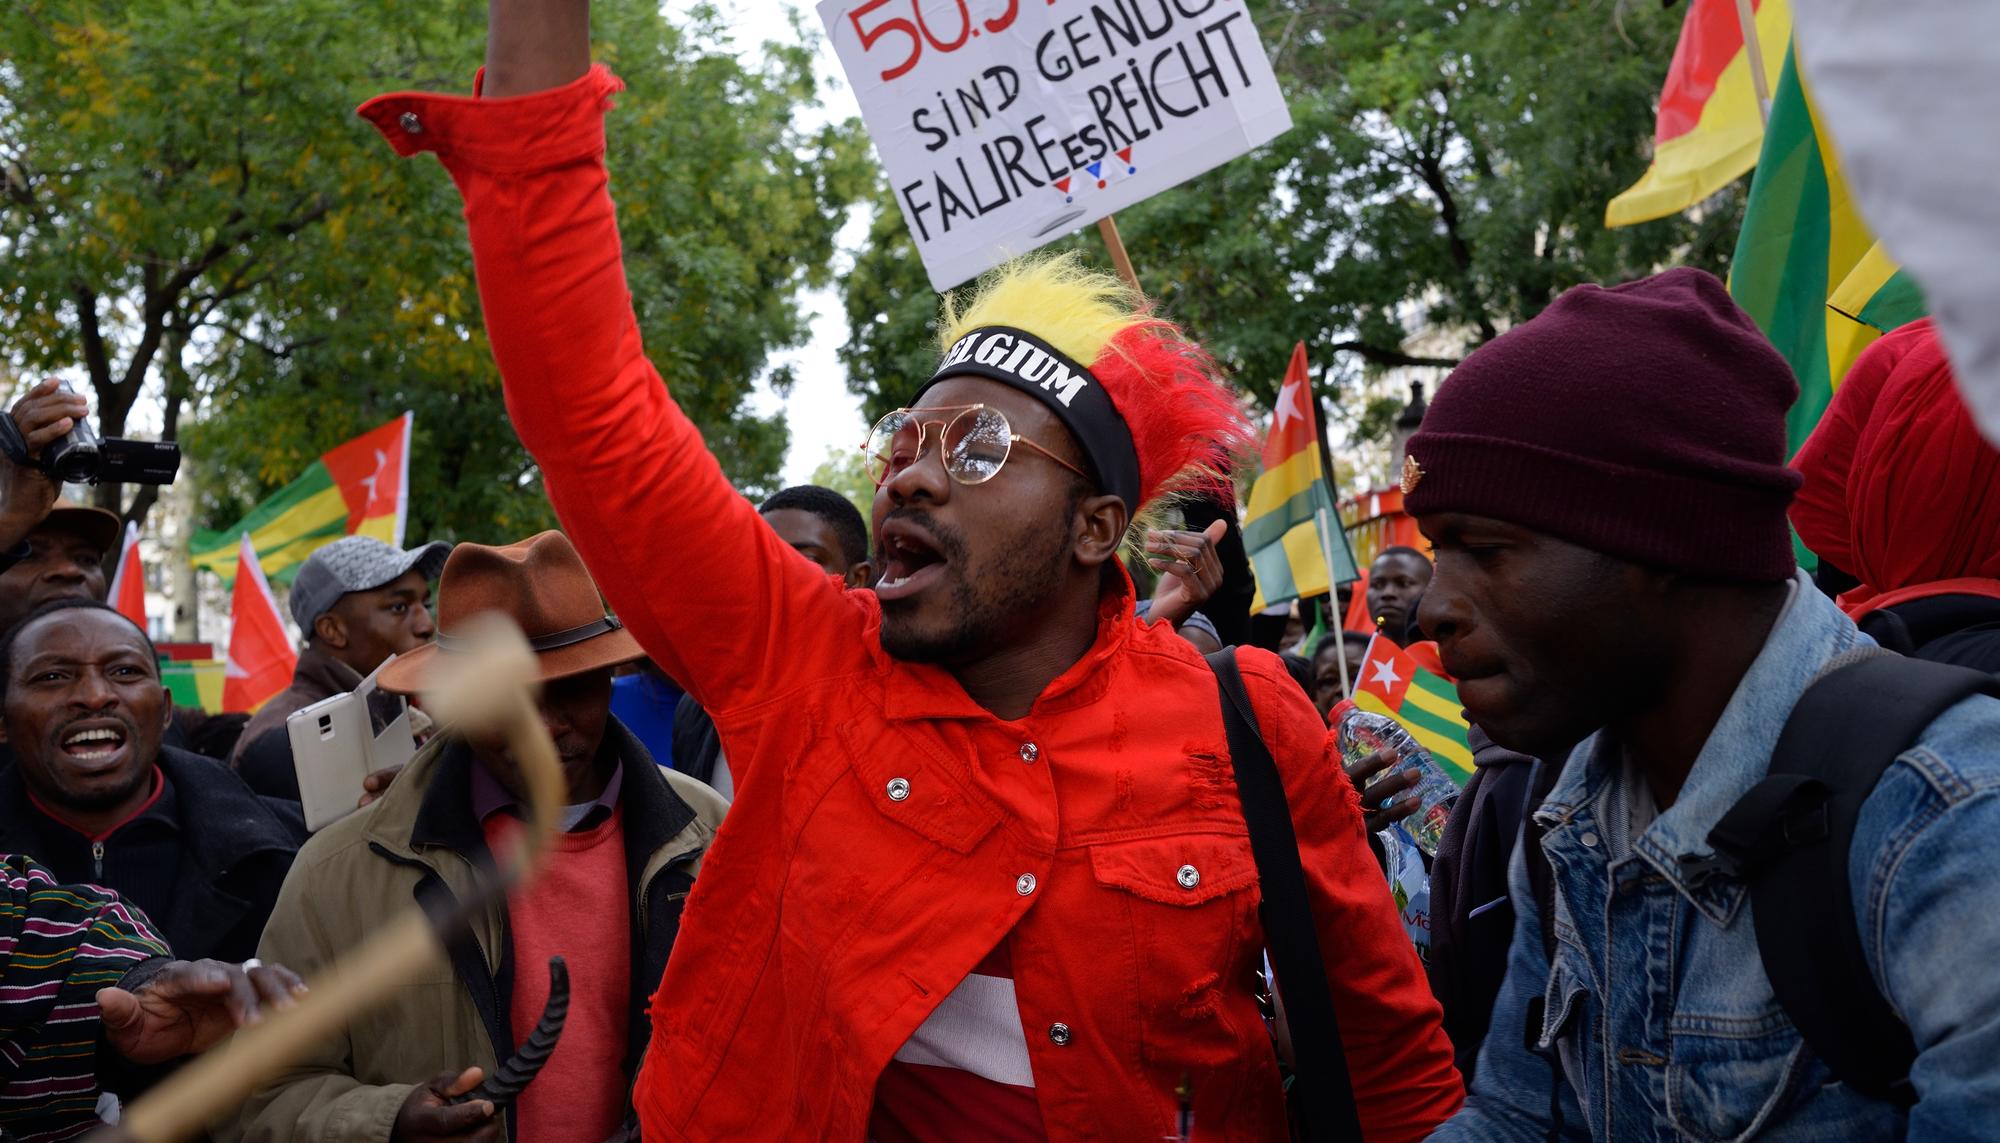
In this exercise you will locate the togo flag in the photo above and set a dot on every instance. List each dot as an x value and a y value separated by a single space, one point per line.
361 488
1392 684
1802 237
1292 526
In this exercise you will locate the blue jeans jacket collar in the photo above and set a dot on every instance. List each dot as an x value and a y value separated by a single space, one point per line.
1810 631
1653 1021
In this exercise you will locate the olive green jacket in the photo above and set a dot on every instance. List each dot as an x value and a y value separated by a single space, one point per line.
419 844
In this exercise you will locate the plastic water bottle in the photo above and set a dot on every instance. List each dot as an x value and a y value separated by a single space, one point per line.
1363 733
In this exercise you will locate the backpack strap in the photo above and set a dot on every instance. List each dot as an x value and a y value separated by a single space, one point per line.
1790 838
1324 1090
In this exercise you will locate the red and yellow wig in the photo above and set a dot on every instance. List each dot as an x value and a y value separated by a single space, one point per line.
1186 422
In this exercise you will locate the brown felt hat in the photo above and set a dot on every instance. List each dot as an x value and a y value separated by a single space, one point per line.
100 526
539 583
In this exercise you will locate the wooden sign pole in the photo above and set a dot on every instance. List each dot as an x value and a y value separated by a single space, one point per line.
1107 229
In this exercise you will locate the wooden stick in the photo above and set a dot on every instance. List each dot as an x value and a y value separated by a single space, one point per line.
490 686
1746 18
1326 524
1107 229
221 1079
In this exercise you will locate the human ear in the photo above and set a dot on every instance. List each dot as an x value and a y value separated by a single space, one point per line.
860 575
1101 522
331 630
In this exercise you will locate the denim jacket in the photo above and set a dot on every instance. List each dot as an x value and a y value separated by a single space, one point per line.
1659 1023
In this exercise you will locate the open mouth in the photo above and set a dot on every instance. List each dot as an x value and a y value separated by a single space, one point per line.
910 563
93 743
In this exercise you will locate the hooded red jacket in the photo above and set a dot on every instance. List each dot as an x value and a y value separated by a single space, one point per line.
830 918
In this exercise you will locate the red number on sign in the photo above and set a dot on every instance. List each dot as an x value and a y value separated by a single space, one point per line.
870 36
964 26
1001 22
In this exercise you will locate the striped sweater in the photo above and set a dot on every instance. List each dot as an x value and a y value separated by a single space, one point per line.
59 944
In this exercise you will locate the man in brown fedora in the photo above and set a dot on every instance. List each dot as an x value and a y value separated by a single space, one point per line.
608 899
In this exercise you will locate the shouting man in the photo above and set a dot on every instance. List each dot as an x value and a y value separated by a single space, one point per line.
987 875
97 796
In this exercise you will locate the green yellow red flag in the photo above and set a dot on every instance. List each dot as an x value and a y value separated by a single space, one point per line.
1709 127
1807 269
1393 684
1876 297
1802 236
357 488
1291 502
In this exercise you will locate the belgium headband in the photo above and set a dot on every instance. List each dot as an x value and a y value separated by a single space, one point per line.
1018 358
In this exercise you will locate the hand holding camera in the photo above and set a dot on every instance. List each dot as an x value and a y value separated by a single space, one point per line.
77 455
49 412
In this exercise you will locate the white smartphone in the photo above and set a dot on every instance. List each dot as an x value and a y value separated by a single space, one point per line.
338 741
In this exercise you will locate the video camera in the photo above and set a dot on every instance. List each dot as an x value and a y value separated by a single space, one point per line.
83 457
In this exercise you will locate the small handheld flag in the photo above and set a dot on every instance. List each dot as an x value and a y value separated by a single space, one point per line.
1291 530
1393 684
261 658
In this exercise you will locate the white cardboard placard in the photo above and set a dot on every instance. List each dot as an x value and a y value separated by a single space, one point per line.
1005 124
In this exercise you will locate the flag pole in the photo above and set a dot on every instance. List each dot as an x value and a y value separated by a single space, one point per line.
1107 229
1746 18
1325 521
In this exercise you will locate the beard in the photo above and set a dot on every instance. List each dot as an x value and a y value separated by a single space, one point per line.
982 608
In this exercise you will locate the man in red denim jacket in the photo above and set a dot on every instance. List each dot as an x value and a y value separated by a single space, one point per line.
987 876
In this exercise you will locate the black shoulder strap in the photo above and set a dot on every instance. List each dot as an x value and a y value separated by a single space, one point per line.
1790 838
1325 1093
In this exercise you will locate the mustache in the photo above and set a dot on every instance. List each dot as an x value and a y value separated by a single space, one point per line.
949 542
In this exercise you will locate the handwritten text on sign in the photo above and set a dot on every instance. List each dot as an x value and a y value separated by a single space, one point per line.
1004 124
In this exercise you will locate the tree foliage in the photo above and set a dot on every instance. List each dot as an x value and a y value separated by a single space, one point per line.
1446 174
192 211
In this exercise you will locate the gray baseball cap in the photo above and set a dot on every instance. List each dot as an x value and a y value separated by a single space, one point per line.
356 563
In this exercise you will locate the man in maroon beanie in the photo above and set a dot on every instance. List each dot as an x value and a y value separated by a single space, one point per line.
1606 489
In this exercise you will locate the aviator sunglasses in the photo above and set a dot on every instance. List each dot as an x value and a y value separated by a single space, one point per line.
975 442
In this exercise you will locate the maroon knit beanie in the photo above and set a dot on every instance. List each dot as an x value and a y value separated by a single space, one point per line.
1645 421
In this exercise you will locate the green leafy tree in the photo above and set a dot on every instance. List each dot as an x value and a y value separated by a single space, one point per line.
194 213
1446 174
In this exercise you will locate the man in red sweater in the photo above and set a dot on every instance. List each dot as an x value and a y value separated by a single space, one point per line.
987 875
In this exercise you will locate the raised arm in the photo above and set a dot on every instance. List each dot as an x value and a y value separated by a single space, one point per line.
534 45
684 559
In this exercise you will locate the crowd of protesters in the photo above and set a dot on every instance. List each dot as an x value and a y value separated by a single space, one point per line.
949 835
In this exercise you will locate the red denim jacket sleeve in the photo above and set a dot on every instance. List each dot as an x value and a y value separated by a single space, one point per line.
711 593
1391 1028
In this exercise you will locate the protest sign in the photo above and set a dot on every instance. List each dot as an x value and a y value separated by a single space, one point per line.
1004 124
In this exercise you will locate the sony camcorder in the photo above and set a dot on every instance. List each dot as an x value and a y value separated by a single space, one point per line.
83 457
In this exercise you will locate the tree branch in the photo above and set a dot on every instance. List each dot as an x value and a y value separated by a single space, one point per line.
1383 356
95 360
1432 172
